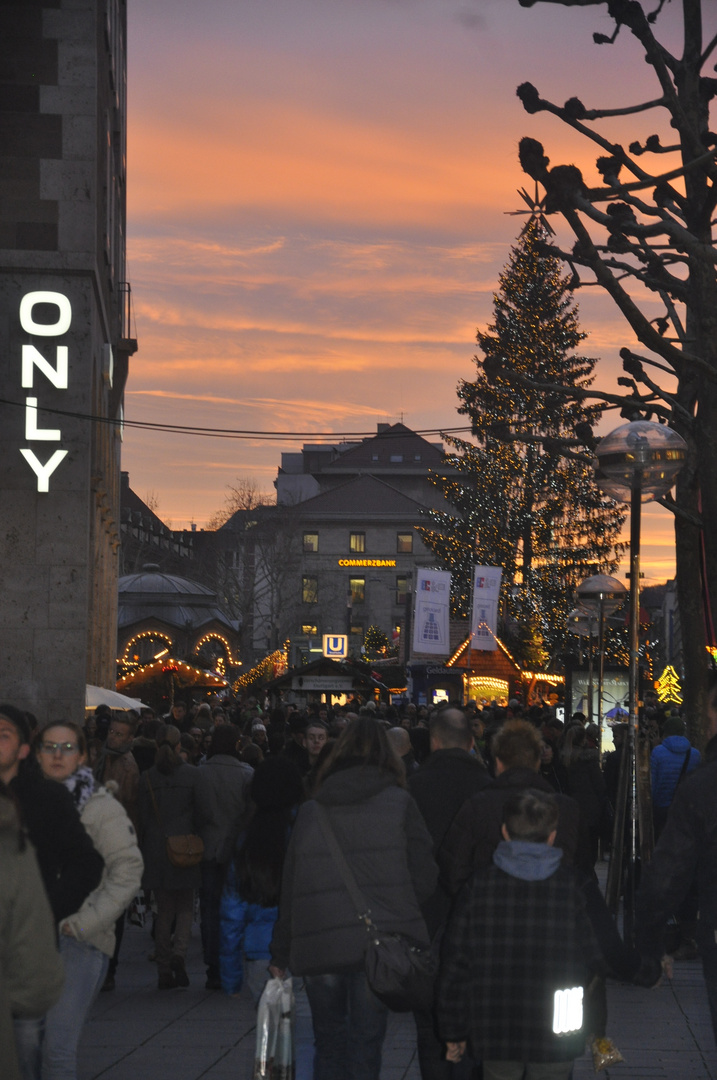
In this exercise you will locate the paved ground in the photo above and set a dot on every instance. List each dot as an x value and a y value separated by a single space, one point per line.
140 1033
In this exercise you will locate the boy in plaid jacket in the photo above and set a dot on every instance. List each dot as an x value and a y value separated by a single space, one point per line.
518 952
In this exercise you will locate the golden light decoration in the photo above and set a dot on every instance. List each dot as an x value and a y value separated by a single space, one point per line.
213 635
668 686
143 636
541 676
273 665
159 666
486 687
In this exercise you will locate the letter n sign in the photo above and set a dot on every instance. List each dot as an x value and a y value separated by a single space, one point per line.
336 646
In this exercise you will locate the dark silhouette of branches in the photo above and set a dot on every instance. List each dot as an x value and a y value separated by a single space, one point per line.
645 236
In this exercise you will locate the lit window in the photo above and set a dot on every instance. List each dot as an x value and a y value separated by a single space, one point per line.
310 590
311 542
357 542
357 630
401 590
357 586
309 629
404 543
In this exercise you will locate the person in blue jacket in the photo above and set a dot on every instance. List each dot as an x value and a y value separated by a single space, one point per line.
250 899
669 761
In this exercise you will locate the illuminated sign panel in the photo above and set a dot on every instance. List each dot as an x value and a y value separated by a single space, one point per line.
34 362
367 562
336 646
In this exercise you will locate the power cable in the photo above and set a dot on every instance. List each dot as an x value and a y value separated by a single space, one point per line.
235 433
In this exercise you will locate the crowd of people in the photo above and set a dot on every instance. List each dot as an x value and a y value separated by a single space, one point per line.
474 831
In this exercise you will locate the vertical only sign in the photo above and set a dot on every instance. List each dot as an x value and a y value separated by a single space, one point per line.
34 363
486 592
430 625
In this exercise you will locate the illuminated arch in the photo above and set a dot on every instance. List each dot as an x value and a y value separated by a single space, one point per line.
214 635
139 639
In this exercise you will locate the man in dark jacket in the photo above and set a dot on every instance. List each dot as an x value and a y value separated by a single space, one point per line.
687 847
448 777
223 783
476 829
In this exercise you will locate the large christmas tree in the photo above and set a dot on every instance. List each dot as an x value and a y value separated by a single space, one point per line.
522 498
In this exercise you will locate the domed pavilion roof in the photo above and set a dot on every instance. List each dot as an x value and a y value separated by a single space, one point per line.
175 600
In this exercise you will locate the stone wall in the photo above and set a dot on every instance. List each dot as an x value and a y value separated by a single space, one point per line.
63 347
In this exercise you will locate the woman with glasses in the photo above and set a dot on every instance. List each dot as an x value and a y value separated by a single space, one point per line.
87 937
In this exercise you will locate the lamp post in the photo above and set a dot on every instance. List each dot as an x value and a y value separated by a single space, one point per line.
581 622
601 595
407 621
349 614
636 462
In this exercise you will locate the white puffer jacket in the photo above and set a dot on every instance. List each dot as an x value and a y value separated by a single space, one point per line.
113 835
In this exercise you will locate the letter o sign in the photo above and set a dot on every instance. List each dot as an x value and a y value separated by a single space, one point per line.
64 314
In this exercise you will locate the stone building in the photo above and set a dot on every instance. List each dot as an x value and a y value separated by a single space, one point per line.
65 343
338 552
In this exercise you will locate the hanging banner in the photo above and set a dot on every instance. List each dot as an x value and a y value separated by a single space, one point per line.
486 593
430 622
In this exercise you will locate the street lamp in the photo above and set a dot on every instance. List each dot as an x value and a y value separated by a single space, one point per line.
581 622
637 462
601 595
349 615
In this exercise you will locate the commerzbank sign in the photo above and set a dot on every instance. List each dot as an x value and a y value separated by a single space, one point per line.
367 562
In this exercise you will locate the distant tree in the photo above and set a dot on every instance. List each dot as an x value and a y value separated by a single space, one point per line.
257 552
243 494
525 500
643 231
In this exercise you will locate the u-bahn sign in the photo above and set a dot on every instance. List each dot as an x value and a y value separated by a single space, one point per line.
336 646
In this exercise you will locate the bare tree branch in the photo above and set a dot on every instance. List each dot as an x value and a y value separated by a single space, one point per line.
669 503
627 110
710 48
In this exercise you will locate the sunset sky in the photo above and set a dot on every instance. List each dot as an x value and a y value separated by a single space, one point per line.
317 218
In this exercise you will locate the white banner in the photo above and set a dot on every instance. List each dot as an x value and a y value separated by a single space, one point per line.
430 620
486 594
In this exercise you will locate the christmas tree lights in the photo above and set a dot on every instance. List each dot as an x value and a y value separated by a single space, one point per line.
519 498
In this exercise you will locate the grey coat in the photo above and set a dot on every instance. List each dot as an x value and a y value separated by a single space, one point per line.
182 808
224 781
387 845
31 973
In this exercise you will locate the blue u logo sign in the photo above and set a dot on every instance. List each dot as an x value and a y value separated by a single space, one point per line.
335 645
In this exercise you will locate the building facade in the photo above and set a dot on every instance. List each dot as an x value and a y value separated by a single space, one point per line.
338 552
65 344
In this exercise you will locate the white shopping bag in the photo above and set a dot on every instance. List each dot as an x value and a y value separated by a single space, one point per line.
274 1056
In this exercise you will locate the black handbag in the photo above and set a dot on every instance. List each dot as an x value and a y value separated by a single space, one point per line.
400 972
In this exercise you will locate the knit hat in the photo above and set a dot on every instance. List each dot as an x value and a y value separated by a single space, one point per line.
673 726
18 720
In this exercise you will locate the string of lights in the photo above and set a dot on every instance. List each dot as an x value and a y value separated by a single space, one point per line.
235 433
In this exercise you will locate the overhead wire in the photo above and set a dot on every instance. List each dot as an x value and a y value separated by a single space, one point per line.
234 433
